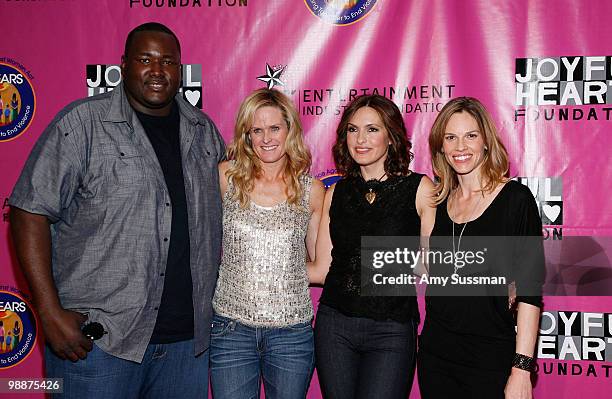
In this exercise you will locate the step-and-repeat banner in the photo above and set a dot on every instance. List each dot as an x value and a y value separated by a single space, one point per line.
543 68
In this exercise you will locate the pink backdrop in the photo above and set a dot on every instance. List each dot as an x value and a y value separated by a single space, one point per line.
419 52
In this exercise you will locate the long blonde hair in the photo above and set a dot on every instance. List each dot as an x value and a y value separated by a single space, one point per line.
494 167
247 165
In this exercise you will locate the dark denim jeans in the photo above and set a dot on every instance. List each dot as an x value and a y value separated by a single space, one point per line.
242 356
363 358
167 371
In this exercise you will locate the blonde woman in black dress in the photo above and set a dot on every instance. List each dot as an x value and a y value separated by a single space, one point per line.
469 347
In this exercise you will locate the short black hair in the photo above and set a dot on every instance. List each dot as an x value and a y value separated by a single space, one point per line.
149 27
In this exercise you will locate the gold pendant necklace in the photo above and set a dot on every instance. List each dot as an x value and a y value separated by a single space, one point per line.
370 196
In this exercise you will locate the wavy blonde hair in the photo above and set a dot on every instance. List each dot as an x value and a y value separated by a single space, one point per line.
494 167
247 165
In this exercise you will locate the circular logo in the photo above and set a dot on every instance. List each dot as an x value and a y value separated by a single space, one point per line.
340 12
17 100
18 329
328 180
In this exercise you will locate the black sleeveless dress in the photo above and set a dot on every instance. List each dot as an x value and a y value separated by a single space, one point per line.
393 213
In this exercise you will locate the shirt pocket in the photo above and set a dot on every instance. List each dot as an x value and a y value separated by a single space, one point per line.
202 170
123 164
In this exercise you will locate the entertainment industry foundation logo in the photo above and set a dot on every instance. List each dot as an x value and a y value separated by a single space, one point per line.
575 336
563 88
102 78
410 99
548 193
272 76
18 329
340 12
17 99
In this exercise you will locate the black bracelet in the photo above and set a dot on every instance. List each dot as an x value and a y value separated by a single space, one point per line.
523 362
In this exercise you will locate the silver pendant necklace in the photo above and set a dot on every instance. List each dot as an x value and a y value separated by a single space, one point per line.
457 267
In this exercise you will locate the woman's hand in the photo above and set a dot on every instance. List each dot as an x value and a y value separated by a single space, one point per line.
511 295
518 385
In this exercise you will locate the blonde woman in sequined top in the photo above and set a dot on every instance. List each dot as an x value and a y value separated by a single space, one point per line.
271 210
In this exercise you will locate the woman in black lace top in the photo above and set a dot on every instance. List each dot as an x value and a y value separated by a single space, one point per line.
365 345
469 347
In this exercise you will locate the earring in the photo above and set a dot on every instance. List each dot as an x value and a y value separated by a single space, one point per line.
486 148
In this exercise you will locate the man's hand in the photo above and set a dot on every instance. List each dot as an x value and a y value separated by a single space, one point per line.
518 385
62 330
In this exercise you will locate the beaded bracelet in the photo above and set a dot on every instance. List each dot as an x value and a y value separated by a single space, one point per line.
523 362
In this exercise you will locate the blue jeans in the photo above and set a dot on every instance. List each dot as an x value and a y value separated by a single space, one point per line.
166 371
359 357
242 356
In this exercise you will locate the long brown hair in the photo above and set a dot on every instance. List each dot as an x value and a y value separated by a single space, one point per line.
494 167
247 165
399 155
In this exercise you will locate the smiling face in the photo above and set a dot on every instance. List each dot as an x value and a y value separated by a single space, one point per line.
367 139
269 134
463 145
152 72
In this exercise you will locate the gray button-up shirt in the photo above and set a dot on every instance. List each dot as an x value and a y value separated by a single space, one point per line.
95 175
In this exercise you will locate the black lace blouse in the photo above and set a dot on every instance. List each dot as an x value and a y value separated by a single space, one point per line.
393 213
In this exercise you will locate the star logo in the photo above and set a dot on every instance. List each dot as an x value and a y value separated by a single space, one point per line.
272 76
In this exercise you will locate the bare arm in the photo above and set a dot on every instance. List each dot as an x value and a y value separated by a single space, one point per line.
528 320
318 268
32 241
426 209
317 195
223 168
519 382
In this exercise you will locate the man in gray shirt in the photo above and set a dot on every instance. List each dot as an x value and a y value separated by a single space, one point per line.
116 220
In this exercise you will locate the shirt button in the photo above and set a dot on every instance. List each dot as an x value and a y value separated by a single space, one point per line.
122 154
165 238
161 274
167 204
156 308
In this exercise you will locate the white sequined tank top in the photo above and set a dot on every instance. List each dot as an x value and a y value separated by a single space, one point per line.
262 278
